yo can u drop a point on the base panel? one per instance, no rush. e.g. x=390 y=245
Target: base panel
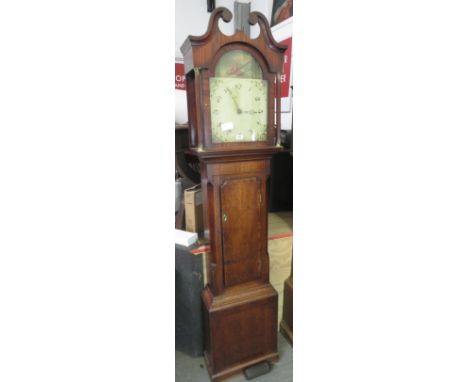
x=240 y=329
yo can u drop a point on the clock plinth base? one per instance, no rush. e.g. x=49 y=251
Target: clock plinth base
x=240 y=328
x=221 y=376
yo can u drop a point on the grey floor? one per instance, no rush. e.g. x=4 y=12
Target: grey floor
x=192 y=369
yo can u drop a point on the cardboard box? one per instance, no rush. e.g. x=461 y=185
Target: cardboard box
x=194 y=210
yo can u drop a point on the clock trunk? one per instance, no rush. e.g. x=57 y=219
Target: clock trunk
x=239 y=303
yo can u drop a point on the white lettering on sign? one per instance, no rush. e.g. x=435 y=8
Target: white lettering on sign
x=179 y=76
x=283 y=77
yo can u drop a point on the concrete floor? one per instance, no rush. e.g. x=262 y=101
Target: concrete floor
x=192 y=369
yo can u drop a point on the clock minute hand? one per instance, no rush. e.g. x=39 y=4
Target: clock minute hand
x=239 y=111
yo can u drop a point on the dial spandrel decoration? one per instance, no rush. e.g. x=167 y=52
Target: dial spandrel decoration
x=239 y=64
x=238 y=97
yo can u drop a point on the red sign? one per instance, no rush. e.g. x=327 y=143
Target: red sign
x=179 y=76
x=286 y=76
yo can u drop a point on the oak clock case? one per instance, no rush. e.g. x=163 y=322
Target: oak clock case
x=234 y=123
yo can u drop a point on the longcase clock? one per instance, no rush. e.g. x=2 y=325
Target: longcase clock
x=233 y=95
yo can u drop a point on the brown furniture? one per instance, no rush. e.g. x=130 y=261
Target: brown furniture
x=286 y=325
x=187 y=166
x=231 y=86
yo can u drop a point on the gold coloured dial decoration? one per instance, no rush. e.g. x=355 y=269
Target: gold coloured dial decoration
x=238 y=97
x=238 y=64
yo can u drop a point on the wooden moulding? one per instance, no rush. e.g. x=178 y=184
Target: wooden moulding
x=198 y=50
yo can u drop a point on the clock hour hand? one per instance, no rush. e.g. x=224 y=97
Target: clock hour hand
x=239 y=111
x=252 y=112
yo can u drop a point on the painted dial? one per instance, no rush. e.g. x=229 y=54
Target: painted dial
x=238 y=99
x=239 y=64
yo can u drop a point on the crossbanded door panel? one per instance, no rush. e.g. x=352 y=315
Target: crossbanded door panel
x=243 y=222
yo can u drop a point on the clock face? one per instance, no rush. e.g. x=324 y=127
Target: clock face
x=238 y=109
x=238 y=98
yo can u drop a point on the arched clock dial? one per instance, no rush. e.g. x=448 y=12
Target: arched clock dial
x=238 y=99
